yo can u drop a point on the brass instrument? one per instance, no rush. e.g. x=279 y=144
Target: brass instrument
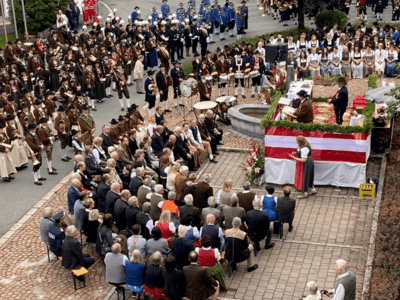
x=62 y=127
x=7 y=146
x=31 y=153
x=153 y=88
x=119 y=76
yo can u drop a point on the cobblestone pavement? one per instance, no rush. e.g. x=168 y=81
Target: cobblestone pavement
x=330 y=225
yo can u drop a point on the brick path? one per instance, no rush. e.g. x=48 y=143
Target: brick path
x=331 y=225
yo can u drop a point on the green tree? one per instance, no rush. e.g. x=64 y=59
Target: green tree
x=40 y=14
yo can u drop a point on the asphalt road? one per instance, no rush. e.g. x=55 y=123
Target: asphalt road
x=17 y=197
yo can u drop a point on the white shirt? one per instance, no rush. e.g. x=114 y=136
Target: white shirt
x=304 y=152
x=340 y=292
x=216 y=252
x=171 y=225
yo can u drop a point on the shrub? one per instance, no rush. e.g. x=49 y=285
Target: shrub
x=372 y=81
x=331 y=18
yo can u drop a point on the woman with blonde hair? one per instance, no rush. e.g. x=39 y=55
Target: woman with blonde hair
x=304 y=174
x=134 y=273
x=167 y=227
x=224 y=194
x=98 y=152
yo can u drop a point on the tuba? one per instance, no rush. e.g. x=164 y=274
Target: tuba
x=31 y=153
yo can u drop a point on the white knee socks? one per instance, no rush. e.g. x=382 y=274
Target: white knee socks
x=128 y=102
x=121 y=101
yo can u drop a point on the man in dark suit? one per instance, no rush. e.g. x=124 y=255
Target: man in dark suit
x=204 y=88
x=137 y=181
x=102 y=191
x=92 y=166
x=285 y=207
x=213 y=210
x=212 y=127
x=191 y=210
x=73 y=257
x=73 y=194
x=106 y=138
x=199 y=284
x=258 y=227
x=181 y=247
x=182 y=149
x=162 y=85
x=112 y=197
x=143 y=218
x=340 y=102
x=133 y=146
x=157 y=143
x=304 y=113
x=246 y=197
x=178 y=76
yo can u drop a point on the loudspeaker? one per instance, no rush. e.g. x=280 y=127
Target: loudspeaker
x=276 y=53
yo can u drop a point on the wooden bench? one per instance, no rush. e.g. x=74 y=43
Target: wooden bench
x=79 y=273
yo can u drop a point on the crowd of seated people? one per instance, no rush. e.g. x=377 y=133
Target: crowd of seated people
x=151 y=246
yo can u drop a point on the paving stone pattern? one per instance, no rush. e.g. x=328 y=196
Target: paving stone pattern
x=330 y=225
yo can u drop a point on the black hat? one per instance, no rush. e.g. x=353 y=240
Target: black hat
x=208 y=52
x=196 y=54
x=74 y=132
x=43 y=120
x=120 y=118
x=31 y=126
x=133 y=106
x=177 y=62
x=24 y=105
x=41 y=77
x=37 y=102
x=218 y=49
x=150 y=72
x=1 y=105
x=49 y=92
x=256 y=52
x=162 y=66
x=25 y=91
x=71 y=106
x=302 y=93
x=79 y=93
x=113 y=122
x=84 y=107
x=61 y=108
x=10 y=98
x=341 y=80
x=128 y=115
x=9 y=118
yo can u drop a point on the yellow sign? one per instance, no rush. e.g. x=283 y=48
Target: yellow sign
x=367 y=190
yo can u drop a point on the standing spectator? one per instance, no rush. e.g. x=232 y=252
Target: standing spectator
x=138 y=73
x=101 y=192
x=130 y=214
x=286 y=207
x=134 y=272
x=136 y=241
x=45 y=223
x=115 y=266
x=246 y=197
x=143 y=219
x=174 y=280
x=157 y=243
x=73 y=257
x=120 y=209
x=112 y=197
x=105 y=236
x=91 y=227
x=199 y=284
x=346 y=283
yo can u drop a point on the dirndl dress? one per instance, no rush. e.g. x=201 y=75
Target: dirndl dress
x=325 y=67
x=357 y=70
x=379 y=61
x=304 y=173
x=152 y=60
x=390 y=70
x=335 y=71
x=369 y=63
x=346 y=69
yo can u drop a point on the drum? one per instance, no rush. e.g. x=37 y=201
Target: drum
x=209 y=78
x=239 y=75
x=215 y=73
x=188 y=87
x=223 y=78
x=203 y=106
x=247 y=70
x=224 y=103
x=253 y=74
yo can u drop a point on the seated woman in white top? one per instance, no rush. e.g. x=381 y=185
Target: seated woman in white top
x=335 y=59
x=314 y=61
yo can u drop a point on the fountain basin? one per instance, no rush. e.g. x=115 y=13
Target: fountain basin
x=246 y=119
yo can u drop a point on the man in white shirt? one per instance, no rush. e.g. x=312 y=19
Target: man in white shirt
x=346 y=283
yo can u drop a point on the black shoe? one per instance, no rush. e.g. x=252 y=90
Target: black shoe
x=53 y=173
x=100 y=101
x=94 y=109
x=168 y=110
x=42 y=179
x=269 y=246
x=235 y=96
x=252 y=95
x=140 y=93
x=54 y=169
x=231 y=35
x=233 y=266
x=251 y=269
x=6 y=179
x=182 y=105
x=244 y=96
x=213 y=160
x=65 y=159
x=195 y=169
x=37 y=183
x=290 y=227
x=285 y=24
x=122 y=109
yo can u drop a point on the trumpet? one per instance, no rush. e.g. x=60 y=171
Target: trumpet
x=28 y=149
x=62 y=127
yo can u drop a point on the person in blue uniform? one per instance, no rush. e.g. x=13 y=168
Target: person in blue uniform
x=244 y=10
x=178 y=76
x=165 y=10
x=154 y=14
x=231 y=18
x=340 y=102
x=223 y=22
x=134 y=14
x=215 y=16
x=57 y=234
x=239 y=21
x=150 y=98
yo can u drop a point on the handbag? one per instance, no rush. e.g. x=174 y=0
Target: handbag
x=104 y=248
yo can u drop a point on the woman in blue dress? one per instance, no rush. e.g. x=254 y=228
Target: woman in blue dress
x=269 y=203
x=325 y=65
x=152 y=53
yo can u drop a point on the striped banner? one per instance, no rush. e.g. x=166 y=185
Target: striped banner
x=329 y=147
